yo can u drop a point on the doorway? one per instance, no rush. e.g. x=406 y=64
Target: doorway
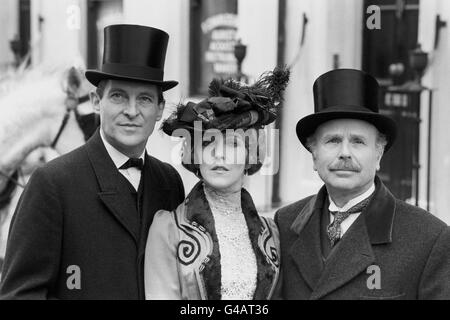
x=386 y=56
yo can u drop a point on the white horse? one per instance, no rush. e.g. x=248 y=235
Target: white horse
x=32 y=108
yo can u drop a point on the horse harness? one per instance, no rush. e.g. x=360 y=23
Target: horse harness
x=88 y=123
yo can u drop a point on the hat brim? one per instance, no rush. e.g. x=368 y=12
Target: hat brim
x=94 y=77
x=308 y=125
x=177 y=130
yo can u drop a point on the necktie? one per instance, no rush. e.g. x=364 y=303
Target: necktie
x=334 y=230
x=133 y=163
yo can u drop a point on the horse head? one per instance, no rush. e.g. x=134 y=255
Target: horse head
x=34 y=108
x=35 y=103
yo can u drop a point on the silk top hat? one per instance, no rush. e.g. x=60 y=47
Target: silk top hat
x=346 y=94
x=135 y=53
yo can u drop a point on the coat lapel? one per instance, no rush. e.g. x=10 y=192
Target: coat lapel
x=305 y=251
x=354 y=252
x=108 y=179
x=352 y=256
x=155 y=197
x=199 y=211
x=379 y=215
x=265 y=271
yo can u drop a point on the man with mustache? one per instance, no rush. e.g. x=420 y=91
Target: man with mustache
x=80 y=228
x=354 y=239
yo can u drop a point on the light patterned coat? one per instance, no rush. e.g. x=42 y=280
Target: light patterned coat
x=182 y=259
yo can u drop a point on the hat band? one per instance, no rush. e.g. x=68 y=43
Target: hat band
x=133 y=71
x=346 y=108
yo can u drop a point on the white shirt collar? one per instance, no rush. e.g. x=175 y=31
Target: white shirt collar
x=333 y=207
x=117 y=157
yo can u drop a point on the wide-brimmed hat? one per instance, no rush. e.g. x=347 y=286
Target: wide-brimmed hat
x=346 y=94
x=133 y=52
x=232 y=105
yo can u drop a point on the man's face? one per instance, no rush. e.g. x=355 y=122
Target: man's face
x=346 y=155
x=128 y=113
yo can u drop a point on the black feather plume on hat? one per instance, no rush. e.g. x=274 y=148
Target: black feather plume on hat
x=275 y=83
x=233 y=105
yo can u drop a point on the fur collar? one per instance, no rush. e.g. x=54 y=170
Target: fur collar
x=198 y=210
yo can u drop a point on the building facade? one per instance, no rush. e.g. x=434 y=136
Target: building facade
x=311 y=36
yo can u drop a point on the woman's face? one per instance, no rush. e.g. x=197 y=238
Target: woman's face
x=222 y=161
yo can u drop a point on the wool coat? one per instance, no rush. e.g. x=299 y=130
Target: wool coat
x=79 y=232
x=392 y=251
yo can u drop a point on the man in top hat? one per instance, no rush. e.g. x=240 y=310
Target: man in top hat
x=354 y=239
x=80 y=228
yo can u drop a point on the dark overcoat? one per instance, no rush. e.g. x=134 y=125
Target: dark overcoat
x=74 y=235
x=392 y=251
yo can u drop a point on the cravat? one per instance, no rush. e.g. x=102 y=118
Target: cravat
x=334 y=229
x=133 y=163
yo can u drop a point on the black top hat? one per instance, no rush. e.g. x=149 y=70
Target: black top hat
x=346 y=94
x=133 y=52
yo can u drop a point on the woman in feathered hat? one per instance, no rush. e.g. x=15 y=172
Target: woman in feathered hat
x=215 y=245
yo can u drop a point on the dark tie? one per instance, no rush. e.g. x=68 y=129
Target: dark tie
x=133 y=163
x=334 y=230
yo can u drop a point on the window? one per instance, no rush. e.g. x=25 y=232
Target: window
x=213 y=36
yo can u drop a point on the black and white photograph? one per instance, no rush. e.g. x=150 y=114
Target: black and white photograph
x=233 y=150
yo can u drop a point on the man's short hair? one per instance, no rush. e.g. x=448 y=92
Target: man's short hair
x=102 y=85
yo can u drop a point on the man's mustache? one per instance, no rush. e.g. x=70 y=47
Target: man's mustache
x=345 y=165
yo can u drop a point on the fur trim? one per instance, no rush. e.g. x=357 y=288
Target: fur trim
x=198 y=210
x=265 y=273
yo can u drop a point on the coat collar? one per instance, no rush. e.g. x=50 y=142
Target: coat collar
x=108 y=177
x=379 y=213
x=156 y=189
x=353 y=253
x=116 y=156
x=351 y=256
x=198 y=210
x=306 y=250
x=104 y=167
